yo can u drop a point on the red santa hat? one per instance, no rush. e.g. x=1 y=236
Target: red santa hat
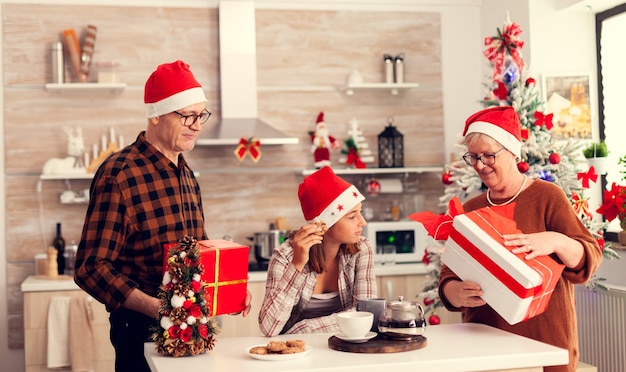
x=326 y=197
x=171 y=87
x=500 y=123
x=320 y=118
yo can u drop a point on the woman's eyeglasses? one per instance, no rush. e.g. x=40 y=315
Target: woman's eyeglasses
x=487 y=159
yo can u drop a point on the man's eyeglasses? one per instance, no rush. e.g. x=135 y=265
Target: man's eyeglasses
x=189 y=120
x=487 y=159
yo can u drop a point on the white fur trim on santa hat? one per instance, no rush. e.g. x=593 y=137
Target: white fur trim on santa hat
x=504 y=137
x=347 y=200
x=175 y=102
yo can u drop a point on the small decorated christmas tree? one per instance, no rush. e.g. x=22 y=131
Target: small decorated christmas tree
x=185 y=327
x=542 y=157
x=356 y=152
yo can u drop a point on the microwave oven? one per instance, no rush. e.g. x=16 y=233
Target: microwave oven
x=408 y=237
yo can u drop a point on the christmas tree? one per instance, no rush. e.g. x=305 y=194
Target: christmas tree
x=356 y=151
x=542 y=157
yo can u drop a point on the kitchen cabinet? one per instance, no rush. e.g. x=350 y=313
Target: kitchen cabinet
x=37 y=294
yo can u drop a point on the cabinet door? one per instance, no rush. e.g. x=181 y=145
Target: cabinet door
x=238 y=326
x=409 y=286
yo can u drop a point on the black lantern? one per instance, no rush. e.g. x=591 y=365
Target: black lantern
x=390 y=147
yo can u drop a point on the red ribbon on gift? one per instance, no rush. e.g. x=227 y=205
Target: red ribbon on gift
x=541 y=119
x=439 y=226
x=589 y=176
x=250 y=146
x=506 y=42
x=216 y=283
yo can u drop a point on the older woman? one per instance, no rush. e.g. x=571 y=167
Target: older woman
x=549 y=225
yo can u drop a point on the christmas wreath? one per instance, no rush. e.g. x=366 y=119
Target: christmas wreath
x=185 y=327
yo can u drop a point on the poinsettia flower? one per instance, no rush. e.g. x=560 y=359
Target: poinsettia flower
x=167 y=278
x=174 y=331
x=191 y=320
x=185 y=334
x=166 y=322
x=195 y=311
x=203 y=330
x=177 y=301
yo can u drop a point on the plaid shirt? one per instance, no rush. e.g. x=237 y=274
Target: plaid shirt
x=139 y=201
x=288 y=291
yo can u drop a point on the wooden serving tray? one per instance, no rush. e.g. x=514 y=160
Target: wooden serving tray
x=380 y=344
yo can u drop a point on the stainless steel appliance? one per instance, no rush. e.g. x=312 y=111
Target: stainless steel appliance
x=264 y=244
x=408 y=238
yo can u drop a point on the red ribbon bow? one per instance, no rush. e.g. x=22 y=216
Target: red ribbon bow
x=506 y=42
x=581 y=206
x=439 y=226
x=250 y=146
x=541 y=119
x=585 y=177
x=354 y=158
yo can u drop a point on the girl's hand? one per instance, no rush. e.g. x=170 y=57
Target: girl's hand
x=306 y=237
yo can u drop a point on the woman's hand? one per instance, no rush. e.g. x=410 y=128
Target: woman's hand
x=463 y=294
x=306 y=237
x=568 y=250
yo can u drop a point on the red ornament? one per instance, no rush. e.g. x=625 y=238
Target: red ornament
x=373 y=187
x=530 y=81
x=446 y=178
x=554 y=158
x=523 y=166
x=428 y=301
x=434 y=319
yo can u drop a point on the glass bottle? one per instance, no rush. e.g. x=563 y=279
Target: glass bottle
x=59 y=244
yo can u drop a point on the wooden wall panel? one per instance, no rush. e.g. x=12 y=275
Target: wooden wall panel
x=303 y=60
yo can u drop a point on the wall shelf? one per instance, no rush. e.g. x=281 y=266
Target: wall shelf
x=365 y=171
x=81 y=87
x=393 y=88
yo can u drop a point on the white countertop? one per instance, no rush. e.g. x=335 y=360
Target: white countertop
x=453 y=347
x=66 y=283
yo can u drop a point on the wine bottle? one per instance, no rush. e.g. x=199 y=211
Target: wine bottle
x=59 y=244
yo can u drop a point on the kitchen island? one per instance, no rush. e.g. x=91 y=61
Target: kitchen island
x=452 y=347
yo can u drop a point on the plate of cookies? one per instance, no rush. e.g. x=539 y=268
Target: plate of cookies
x=280 y=350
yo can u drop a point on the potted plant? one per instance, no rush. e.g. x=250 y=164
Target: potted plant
x=596 y=154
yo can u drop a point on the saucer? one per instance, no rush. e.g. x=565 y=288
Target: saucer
x=356 y=340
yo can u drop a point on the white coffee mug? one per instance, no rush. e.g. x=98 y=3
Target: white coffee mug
x=355 y=324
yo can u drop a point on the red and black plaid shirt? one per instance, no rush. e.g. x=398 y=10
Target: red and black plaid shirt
x=139 y=201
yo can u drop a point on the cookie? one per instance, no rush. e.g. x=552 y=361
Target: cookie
x=261 y=350
x=323 y=227
x=296 y=343
x=276 y=346
x=292 y=350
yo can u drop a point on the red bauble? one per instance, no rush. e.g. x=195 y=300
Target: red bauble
x=373 y=187
x=434 y=319
x=530 y=81
x=428 y=301
x=554 y=158
x=446 y=178
x=523 y=166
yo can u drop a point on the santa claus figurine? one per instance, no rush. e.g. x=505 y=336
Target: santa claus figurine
x=322 y=143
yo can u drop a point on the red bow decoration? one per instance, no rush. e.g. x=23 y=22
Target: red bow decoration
x=250 y=146
x=506 y=42
x=541 y=119
x=439 y=226
x=501 y=91
x=581 y=206
x=354 y=158
x=585 y=177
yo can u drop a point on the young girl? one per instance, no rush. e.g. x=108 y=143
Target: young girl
x=325 y=266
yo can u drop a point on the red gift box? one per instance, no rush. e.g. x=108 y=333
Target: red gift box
x=516 y=288
x=225 y=274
